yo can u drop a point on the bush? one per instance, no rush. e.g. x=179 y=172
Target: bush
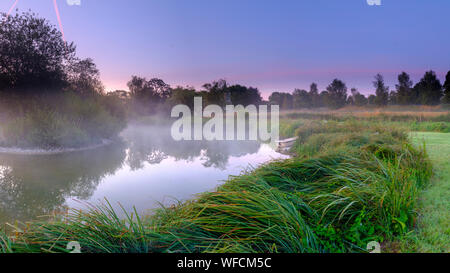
x=66 y=120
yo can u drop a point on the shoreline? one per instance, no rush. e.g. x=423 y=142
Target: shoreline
x=22 y=151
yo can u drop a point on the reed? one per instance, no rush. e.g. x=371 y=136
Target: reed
x=352 y=187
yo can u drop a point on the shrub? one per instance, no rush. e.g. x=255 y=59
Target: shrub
x=64 y=120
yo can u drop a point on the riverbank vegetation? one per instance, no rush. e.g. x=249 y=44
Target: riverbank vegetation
x=354 y=176
x=49 y=98
x=347 y=185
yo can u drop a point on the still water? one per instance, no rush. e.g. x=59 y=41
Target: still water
x=145 y=168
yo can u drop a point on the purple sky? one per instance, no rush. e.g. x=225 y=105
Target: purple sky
x=269 y=44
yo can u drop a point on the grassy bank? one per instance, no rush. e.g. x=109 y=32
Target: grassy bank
x=433 y=229
x=348 y=184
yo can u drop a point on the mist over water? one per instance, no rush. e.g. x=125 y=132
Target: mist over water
x=145 y=168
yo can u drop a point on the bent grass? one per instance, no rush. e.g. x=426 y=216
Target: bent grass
x=352 y=189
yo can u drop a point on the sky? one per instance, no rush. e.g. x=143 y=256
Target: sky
x=275 y=45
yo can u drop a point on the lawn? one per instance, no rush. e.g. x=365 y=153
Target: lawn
x=433 y=228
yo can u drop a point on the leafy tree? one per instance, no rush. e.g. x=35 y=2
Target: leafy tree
x=323 y=97
x=244 y=95
x=404 y=89
x=284 y=100
x=215 y=92
x=337 y=94
x=148 y=95
x=371 y=99
x=381 y=92
x=393 y=98
x=446 y=98
x=33 y=55
x=84 y=77
x=301 y=99
x=358 y=99
x=314 y=95
x=429 y=89
x=181 y=95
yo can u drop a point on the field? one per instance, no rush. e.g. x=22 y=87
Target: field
x=352 y=179
x=433 y=229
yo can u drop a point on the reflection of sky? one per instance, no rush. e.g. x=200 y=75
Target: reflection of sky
x=273 y=45
x=169 y=179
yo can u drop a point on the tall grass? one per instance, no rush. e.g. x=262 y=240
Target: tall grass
x=349 y=189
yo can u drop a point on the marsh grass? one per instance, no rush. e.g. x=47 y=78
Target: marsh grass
x=349 y=184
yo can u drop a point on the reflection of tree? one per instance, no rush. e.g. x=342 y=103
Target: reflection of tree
x=153 y=144
x=38 y=185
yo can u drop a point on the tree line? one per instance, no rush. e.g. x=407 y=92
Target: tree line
x=35 y=61
x=148 y=96
x=428 y=91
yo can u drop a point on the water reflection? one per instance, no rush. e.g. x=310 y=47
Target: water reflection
x=147 y=166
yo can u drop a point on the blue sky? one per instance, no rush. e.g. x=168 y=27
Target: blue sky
x=273 y=45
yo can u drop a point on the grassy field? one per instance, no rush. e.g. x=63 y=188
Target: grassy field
x=350 y=181
x=433 y=229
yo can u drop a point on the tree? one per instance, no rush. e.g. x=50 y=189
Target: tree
x=323 y=98
x=358 y=99
x=404 y=89
x=314 y=95
x=215 y=92
x=244 y=95
x=337 y=94
x=393 y=98
x=381 y=92
x=301 y=99
x=84 y=77
x=33 y=55
x=429 y=89
x=284 y=100
x=148 y=95
x=371 y=99
x=181 y=95
x=446 y=98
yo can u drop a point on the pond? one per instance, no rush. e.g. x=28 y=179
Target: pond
x=143 y=170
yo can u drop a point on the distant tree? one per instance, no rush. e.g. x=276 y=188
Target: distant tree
x=33 y=55
x=314 y=95
x=337 y=94
x=84 y=77
x=287 y=103
x=357 y=98
x=120 y=94
x=301 y=99
x=371 y=99
x=323 y=98
x=215 y=92
x=183 y=95
x=446 y=98
x=350 y=101
x=404 y=89
x=360 y=100
x=381 y=92
x=393 y=98
x=244 y=95
x=429 y=89
x=148 y=95
x=284 y=100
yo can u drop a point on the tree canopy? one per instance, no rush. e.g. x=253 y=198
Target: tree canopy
x=429 y=89
x=35 y=59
